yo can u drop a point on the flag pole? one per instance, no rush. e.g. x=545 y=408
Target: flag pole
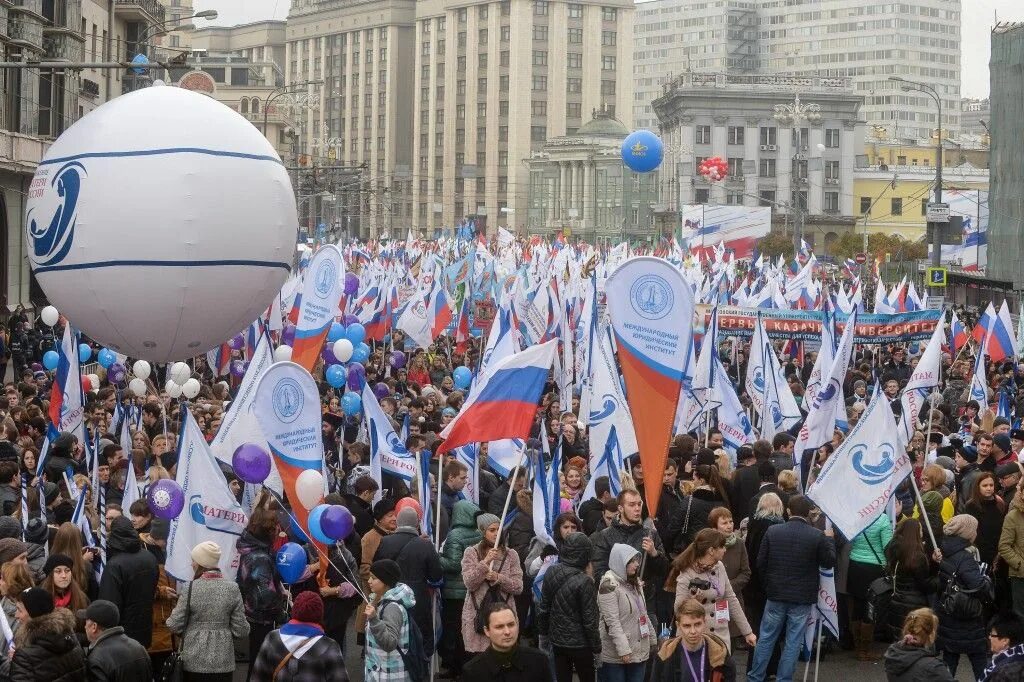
x=817 y=652
x=923 y=515
x=807 y=668
x=508 y=498
x=437 y=512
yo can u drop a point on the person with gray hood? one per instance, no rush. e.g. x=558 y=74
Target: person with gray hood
x=568 y=614
x=626 y=631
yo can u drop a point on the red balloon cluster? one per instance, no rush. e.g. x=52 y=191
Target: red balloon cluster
x=714 y=169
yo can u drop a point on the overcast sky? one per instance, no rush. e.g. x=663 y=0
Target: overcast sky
x=978 y=16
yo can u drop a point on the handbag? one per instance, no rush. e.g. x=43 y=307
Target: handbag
x=174 y=667
x=961 y=603
x=491 y=596
x=880 y=592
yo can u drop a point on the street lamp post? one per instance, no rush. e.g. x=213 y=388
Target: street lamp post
x=160 y=28
x=906 y=85
x=280 y=92
x=792 y=114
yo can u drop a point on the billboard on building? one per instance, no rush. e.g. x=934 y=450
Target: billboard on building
x=737 y=227
x=972 y=206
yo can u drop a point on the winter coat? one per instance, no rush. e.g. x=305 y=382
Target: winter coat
x=910 y=663
x=361 y=512
x=526 y=664
x=568 y=614
x=911 y=587
x=46 y=650
x=655 y=567
x=386 y=633
x=262 y=592
x=957 y=635
x=788 y=561
x=315 y=657
x=868 y=546
x=130 y=579
x=1011 y=542
x=721 y=588
x=745 y=484
x=621 y=604
x=163 y=605
x=591 y=513
x=990 y=526
x=421 y=568
x=737 y=566
x=691 y=516
x=1006 y=666
x=718 y=665
x=116 y=657
x=474 y=570
x=463 y=533
x=757 y=526
x=218 y=616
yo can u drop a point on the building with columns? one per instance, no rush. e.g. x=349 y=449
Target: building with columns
x=804 y=171
x=578 y=185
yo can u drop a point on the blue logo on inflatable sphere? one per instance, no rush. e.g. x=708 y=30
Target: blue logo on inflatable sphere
x=642 y=151
x=873 y=474
x=287 y=397
x=651 y=297
x=326 y=278
x=52 y=237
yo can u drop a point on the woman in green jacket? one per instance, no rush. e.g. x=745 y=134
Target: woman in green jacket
x=1011 y=549
x=462 y=534
x=867 y=562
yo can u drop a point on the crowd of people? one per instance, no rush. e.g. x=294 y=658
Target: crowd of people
x=726 y=572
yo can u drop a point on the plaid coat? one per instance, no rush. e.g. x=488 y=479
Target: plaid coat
x=386 y=633
x=315 y=657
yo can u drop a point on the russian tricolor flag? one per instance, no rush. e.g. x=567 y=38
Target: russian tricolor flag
x=67 y=405
x=503 y=401
x=439 y=310
x=957 y=335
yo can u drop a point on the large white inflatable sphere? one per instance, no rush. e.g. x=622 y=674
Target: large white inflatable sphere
x=161 y=223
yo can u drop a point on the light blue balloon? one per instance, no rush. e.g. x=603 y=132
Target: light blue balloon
x=106 y=357
x=361 y=354
x=50 y=360
x=642 y=151
x=336 y=376
x=335 y=332
x=356 y=333
x=315 y=531
x=351 y=404
x=463 y=377
x=84 y=352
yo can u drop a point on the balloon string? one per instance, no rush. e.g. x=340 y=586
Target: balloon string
x=312 y=542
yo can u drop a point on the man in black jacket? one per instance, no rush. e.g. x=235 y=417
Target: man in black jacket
x=746 y=481
x=568 y=615
x=788 y=562
x=506 y=660
x=591 y=512
x=129 y=580
x=359 y=502
x=112 y=655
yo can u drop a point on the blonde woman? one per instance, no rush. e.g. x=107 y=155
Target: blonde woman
x=913 y=657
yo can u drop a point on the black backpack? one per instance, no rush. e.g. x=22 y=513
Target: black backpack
x=415 y=658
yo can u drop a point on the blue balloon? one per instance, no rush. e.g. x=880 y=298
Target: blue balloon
x=463 y=377
x=355 y=333
x=315 y=531
x=84 y=352
x=642 y=151
x=106 y=357
x=335 y=332
x=360 y=354
x=50 y=360
x=351 y=404
x=336 y=376
x=291 y=562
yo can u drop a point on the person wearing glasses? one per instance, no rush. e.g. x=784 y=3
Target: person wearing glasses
x=1006 y=642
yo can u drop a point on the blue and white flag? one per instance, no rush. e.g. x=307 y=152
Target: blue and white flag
x=388 y=453
x=546 y=495
x=469 y=456
x=924 y=378
x=979 y=382
x=612 y=438
x=826 y=610
x=733 y=421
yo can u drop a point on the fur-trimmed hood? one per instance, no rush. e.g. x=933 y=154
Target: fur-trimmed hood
x=717 y=651
x=54 y=626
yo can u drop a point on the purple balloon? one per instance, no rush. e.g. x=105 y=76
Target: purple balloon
x=251 y=463
x=350 y=319
x=166 y=499
x=288 y=335
x=337 y=522
x=351 y=283
x=356 y=376
x=237 y=368
x=397 y=359
x=328 y=355
x=381 y=390
x=117 y=373
x=237 y=342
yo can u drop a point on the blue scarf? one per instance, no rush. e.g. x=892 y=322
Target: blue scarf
x=297 y=627
x=1015 y=653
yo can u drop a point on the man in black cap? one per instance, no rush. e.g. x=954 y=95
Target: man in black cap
x=966 y=471
x=112 y=655
x=1002 y=450
x=1008 y=475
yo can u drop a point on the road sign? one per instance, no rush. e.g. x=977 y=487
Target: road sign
x=934 y=302
x=936 y=277
x=861 y=258
x=937 y=213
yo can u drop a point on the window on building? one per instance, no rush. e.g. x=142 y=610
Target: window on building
x=506 y=33
x=608 y=38
x=506 y=8
x=575 y=10
x=440 y=47
x=539 y=108
x=832 y=138
x=734 y=198
x=460 y=63
x=538 y=133
x=574 y=85
x=575 y=60
x=540 y=57
x=897 y=206
x=460 y=136
x=502 y=159
x=482 y=11
x=735 y=134
x=540 y=8
x=832 y=170
x=575 y=36
x=460 y=112
x=766 y=168
x=607 y=63
x=540 y=84
x=481 y=159
x=481 y=134
x=697 y=162
x=503 y=107
x=702 y=134
x=700 y=196
x=460 y=87
x=481 y=60
x=573 y=110
x=609 y=14
x=769 y=135
x=832 y=202
x=735 y=167
x=503 y=83
x=460 y=39
x=865 y=205
x=482 y=36
x=901 y=161
x=767 y=198
x=481 y=109
x=540 y=32
x=924 y=206
x=481 y=86
x=461 y=14
x=607 y=87
x=503 y=58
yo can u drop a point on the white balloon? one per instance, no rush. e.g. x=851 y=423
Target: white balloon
x=94 y=381
x=343 y=350
x=190 y=389
x=309 y=487
x=173 y=389
x=141 y=369
x=49 y=315
x=282 y=353
x=224 y=252
x=137 y=386
x=179 y=373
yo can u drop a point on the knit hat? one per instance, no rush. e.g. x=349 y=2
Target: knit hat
x=206 y=554
x=37 y=531
x=159 y=529
x=962 y=526
x=408 y=518
x=1008 y=469
x=37 y=601
x=932 y=501
x=102 y=612
x=11 y=548
x=970 y=453
x=386 y=571
x=946 y=461
x=1002 y=441
x=484 y=520
x=10 y=527
x=309 y=608
x=56 y=560
x=383 y=508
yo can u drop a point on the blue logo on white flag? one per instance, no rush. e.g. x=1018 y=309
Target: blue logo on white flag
x=51 y=241
x=873 y=474
x=288 y=400
x=651 y=297
x=326 y=278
